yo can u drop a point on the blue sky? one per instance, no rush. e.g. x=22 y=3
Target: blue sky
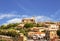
x=15 y=10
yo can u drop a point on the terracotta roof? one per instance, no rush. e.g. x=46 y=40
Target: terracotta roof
x=39 y=33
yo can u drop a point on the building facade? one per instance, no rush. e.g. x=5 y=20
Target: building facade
x=28 y=20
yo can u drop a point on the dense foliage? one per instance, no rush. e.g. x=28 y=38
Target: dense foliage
x=58 y=33
x=28 y=25
x=10 y=29
x=10 y=32
x=9 y=26
x=2 y=40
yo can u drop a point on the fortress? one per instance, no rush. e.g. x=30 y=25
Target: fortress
x=28 y=20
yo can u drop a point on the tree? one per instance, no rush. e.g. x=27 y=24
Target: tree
x=12 y=25
x=38 y=25
x=2 y=40
x=27 y=25
x=22 y=31
x=10 y=32
x=58 y=33
x=3 y=27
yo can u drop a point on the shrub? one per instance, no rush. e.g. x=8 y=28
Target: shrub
x=12 y=32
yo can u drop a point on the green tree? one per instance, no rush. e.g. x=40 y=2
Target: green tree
x=10 y=32
x=28 y=25
x=38 y=25
x=2 y=40
x=58 y=33
x=12 y=25
x=41 y=25
x=3 y=27
x=22 y=31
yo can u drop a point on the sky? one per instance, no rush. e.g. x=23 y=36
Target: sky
x=12 y=11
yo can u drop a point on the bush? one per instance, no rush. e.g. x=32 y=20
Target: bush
x=12 y=32
x=28 y=25
x=2 y=40
x=58 y=33
x=9 y=26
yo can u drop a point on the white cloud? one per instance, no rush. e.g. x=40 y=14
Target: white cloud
x=56 y=14
x=15 y=20
x=25 y=16
x=2 y=16
x=43 y=18
x=37 y=18
x=18 y=20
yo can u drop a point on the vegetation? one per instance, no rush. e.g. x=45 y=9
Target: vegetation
x=22 y=31
x=10 y=29
x=9 y=26
x=11 y=32
x=2 y=40
x=39 y=25
x=3 y=27
x=58 y=33
x=29 y=25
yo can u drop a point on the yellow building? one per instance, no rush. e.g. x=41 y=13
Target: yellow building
x=53 y=28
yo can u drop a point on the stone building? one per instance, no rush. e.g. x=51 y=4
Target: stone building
x=28 y=20
x=53 y=28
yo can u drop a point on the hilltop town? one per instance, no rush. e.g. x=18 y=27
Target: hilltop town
x=29 y=30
